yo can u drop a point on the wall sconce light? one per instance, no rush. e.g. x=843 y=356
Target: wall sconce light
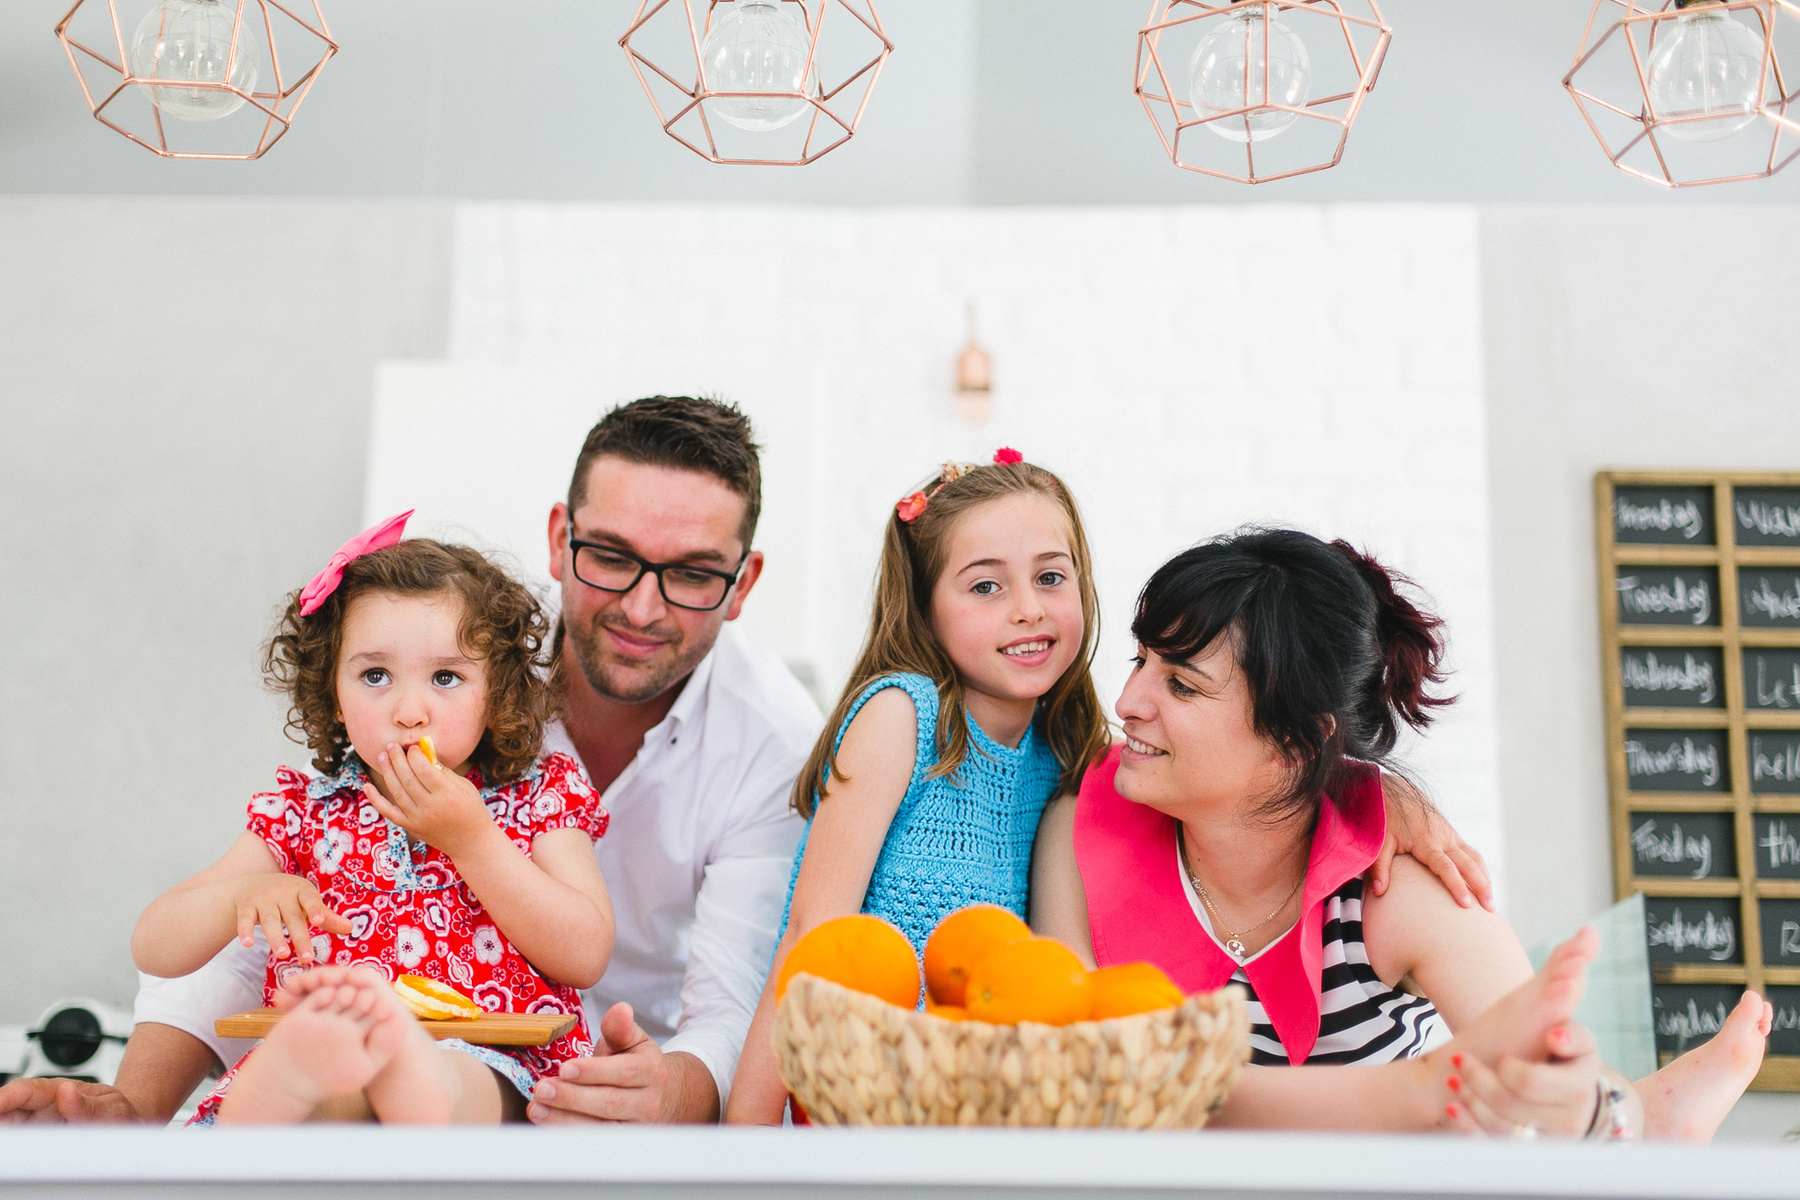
x=1685 y=93
x=190 y=64
x=974 y=380
x=1250 y=72
x=753 y=81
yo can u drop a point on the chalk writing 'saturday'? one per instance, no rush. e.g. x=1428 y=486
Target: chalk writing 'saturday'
x=1650 y=845
x=1713 y=935
x=1679 y=758
x=1663 y=516
x=1673 y=597
x=1770 y=520
x=1649 y=673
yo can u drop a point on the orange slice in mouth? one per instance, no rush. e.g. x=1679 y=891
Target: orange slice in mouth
x=428 y=750
x=430 y=1000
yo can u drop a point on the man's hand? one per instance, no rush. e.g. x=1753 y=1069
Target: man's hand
x=60 y=1101
x=1416 y=827
x=628 y=1079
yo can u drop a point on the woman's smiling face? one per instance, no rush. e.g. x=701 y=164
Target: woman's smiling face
x=1191 y=747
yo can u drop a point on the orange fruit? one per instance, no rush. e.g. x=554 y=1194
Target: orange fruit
x=950 y=1012
x=430 y=1000
x=960 y=941
x=1131 y=988
x=863 y=953
x=1037 y=979
x=428 y=750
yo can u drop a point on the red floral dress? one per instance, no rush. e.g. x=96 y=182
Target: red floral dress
x=410 y=912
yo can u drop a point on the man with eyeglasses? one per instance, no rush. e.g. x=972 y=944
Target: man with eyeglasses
x=694 y=734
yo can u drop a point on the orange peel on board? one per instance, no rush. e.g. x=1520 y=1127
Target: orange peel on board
x=430 y=1000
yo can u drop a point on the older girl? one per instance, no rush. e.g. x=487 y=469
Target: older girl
x=473 y=867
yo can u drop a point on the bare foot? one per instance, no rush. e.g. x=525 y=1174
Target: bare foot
x=419 y=1085
x=1686 y=1100
x=1521 y=1022
x=324 y=1047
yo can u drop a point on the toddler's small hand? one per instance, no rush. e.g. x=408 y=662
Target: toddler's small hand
x=428 y=801
x=286 y=906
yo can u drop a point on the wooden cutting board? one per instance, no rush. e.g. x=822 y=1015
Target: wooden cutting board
x=497 y=1029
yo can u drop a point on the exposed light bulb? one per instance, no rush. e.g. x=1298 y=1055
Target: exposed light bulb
x=1226 y=74
x=758 y=47
x=1707 y=65
x=189 y=42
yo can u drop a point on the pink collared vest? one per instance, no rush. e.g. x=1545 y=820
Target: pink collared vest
x=1139 y=911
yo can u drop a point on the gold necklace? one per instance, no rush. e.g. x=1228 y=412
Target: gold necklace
x=1234 y=942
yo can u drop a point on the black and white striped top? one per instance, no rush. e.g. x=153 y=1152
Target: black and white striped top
x=1361 y=1019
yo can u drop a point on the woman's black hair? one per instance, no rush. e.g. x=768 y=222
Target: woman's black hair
x=1335 y=657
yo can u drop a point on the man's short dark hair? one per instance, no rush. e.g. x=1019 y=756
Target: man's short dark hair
x=686 y=433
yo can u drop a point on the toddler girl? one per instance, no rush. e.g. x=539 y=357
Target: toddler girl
x=970 y=705
x=472 y=865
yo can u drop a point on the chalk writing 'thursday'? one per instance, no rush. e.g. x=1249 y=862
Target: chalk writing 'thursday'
x=1713 y=935
x=1673 y=597
x=1783 y=847
x=1651 y=845
x=1681 y=758
x=1770 y=520
x=1777 y=606
x=1662 y=516
x=1652 y=674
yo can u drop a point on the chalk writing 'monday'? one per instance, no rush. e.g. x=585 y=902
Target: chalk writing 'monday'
x=1652 y=845
x=1776 y=605
x=1649 y=673
x=1663 y=515
x=1679 y=758
x=1770 y=520
x=1678 y=597
x=1712 y=935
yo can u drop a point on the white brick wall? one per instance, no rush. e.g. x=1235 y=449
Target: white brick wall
x=1185 y=370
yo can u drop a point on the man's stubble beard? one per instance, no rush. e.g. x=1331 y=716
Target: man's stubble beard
x=626 y=685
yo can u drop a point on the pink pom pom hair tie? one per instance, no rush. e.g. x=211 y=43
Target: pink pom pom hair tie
x=376 y=537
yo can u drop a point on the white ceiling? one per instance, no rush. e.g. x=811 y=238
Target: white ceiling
x=983 y=102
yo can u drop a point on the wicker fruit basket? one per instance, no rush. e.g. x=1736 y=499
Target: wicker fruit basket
x=851 y=1059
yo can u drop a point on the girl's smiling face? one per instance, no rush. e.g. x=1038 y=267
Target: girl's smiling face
x=1007 y=607
x=402 y=674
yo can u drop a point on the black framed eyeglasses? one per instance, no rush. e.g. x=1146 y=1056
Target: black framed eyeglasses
x=684 y=585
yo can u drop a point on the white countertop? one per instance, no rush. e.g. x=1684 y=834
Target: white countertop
x=620 y=1160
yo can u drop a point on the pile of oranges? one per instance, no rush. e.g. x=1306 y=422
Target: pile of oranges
x=981 y=964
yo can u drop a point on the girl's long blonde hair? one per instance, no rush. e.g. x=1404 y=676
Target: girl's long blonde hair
x=900 y=637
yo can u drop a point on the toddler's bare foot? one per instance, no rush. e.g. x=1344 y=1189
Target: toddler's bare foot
x=1686 y=1100
x=1520 y=1023
x=322 y=1048
x=418 y=1085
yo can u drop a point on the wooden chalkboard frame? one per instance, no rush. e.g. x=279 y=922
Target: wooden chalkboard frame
x=1778 y=1073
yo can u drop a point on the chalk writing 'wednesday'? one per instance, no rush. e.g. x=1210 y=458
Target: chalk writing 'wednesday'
x=1652 y=674
x=1673 y=597
x=1672 y=847
x=1680 y=758
x=1662 y=516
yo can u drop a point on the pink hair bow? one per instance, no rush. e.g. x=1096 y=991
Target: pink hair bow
x=377 y=537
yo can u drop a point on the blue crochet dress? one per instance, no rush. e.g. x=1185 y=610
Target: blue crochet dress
x=959 y=839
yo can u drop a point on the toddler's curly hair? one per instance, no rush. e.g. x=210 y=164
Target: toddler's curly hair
x=502 y=624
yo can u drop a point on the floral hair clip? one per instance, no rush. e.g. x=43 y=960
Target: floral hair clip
x=914 y=503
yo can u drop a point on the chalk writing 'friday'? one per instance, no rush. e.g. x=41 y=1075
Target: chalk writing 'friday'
x=1673 y=597
x=1779 y=606
x=1652 y=674
x=1662 y=516
x=1672 y=847
x=1714 y=935
x=1680 y=758
x=1691 y=1022
x=1770 y=520
x=1783 y=847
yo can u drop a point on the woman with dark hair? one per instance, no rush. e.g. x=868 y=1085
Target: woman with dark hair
x=1227 y=840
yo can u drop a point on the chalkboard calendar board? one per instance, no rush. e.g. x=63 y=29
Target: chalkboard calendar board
x=1700 y=625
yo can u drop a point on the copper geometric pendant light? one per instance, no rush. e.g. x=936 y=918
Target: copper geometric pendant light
x=761 y=82
x=1685 y=93
x=215 y=79
x=1258 y=90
